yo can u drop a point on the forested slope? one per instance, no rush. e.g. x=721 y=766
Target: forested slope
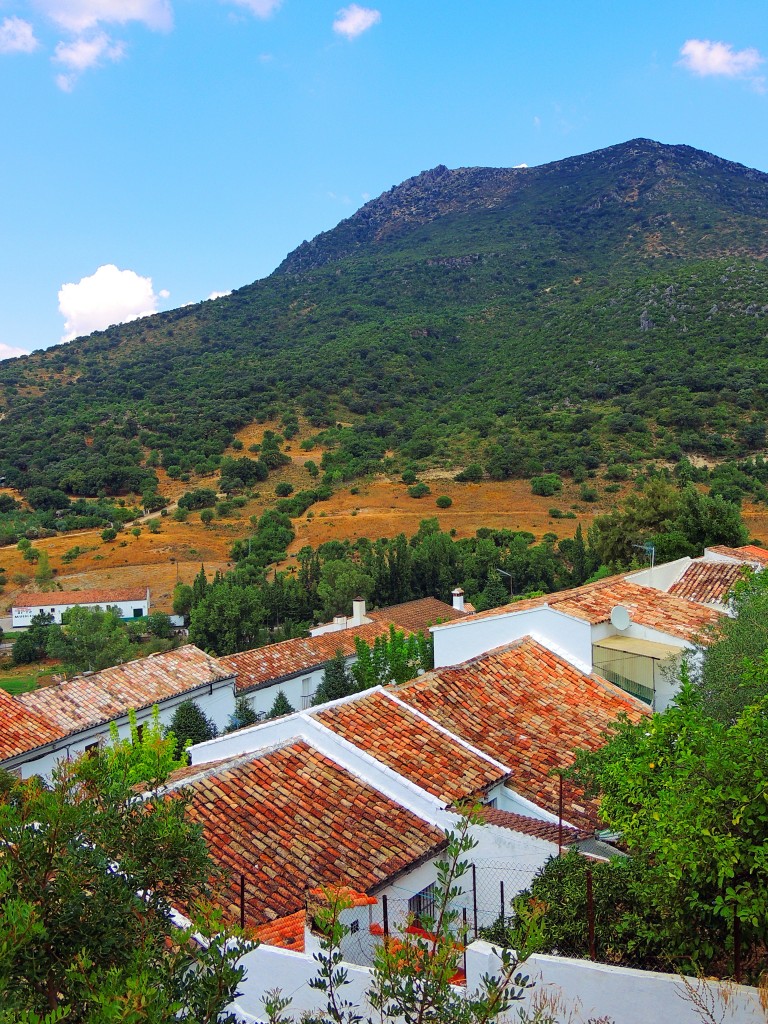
x=607 y=307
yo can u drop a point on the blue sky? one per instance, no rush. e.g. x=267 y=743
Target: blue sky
x=155 y=152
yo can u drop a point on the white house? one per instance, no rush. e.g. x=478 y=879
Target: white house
x=629 y=632
x=40 y=728
x=130 y=602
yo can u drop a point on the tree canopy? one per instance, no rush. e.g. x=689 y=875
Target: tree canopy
x=88 y=879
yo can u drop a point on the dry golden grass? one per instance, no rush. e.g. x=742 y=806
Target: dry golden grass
x=381 y=508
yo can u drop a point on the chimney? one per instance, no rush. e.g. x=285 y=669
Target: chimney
x=358 y=611
x=458 y=599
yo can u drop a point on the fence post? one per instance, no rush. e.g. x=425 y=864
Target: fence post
x=466 y=939
x=474 y=897
x=736 y=946
x=591 y=916
x=501 y=892
x=560 y=818
x=242 y=901
x=385 y=910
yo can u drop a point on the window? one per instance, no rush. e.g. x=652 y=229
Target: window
x=423 y=905
x=491 y=803
x=307 y=693
x=138 y=613
x=354 y=927
x=91 y=748
x=140 y=732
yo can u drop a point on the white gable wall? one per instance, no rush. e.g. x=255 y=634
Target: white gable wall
x=562 y=634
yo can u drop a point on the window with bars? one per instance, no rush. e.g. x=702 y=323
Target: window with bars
x=422 y=905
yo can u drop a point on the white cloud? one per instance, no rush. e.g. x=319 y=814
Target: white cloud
x=261 y=8
x=17 y=36
x=83 y=15
x=83 y=53
x=11 y=351
x=537 y=121
x=352 y=21
x=704 y=57
x=517 y=167
x=110 y=296
x=219 y=295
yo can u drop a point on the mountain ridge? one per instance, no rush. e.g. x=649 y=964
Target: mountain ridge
x=609 y=307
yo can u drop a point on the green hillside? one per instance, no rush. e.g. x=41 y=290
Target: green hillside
x=606 y=308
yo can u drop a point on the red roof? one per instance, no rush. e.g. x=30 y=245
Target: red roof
x=707 y=582
x=57 y=598
x=291 y=819
x=266 y=665
x=286 y=932
x=746 y=553
x=417 y=616
x=648 y=607
x=23 y=729
x=400 y=739
x=91 y=700
x=548 y=830
x=530 y=710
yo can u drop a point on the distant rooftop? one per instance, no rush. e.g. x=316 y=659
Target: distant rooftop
x=56 y=598
x=750 y=553
x=707 y=582
x=417 y=616
x=266 y=665
x=23 y=729
x=594 y=602
x=93 y=699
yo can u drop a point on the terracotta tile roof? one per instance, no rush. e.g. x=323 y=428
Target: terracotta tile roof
x=266 y=665
x=648 y=607
x=90 y=700
x=746 y=553
x=531 y=826
x=418 y=616
x=22 y=729
x=707 y=582
x=286 y=932
x=530 y=710
x=415 y=749
x=290 y=819
x=54 y=598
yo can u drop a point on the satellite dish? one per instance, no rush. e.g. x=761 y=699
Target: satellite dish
x=620 y=617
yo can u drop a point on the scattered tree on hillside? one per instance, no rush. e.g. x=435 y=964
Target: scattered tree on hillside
x=676 y=522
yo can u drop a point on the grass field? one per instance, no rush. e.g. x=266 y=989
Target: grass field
x=23 y=678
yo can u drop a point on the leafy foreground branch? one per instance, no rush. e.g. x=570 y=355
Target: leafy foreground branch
x=88 y=879
x=413 y=975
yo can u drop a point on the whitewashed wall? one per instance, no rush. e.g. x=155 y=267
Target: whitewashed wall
x=21 y=617
x=467 y=638
x=217 y=701
x=583 y=990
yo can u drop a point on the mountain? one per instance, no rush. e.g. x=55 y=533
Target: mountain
x=606 y=307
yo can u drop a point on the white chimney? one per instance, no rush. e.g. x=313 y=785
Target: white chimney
x=358 y=611
x=458 y=599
